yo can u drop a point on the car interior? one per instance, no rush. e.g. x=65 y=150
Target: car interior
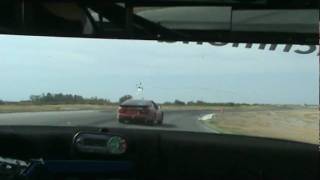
x=48 y=152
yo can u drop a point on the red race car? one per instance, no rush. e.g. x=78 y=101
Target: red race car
x=140 y=111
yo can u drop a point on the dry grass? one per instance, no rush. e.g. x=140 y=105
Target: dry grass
x=75 y=107
x=215 y=108
x=44 y=108
x=292 y=124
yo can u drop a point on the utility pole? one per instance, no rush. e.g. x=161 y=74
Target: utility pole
x=139 y=91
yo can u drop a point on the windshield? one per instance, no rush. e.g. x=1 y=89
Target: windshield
x=228 y=88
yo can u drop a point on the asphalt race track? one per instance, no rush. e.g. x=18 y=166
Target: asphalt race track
x=173 y=120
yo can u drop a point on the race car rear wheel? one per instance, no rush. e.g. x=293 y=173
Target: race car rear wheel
x=153 y=121
x=161 y=119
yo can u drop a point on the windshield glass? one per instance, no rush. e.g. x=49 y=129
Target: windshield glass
x=242 y=89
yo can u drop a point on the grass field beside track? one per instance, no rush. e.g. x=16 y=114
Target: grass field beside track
x=298 y=124
x=47 y=108
x=13 y=108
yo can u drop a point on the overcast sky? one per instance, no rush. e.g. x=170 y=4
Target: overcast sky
x=168 y=71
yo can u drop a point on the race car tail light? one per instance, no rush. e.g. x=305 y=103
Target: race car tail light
x=134 y=110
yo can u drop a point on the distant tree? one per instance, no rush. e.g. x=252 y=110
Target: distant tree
x=167 y=103
x=34 y=98
x=78 y=99
x=60 y=98
x=199 y=102
x=230 y=104
x=190 y=103
x=2 y=102
x=124 y=98
x=178 y=102
x=49 y=97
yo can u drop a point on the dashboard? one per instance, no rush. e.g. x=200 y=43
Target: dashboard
x=34 y=152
